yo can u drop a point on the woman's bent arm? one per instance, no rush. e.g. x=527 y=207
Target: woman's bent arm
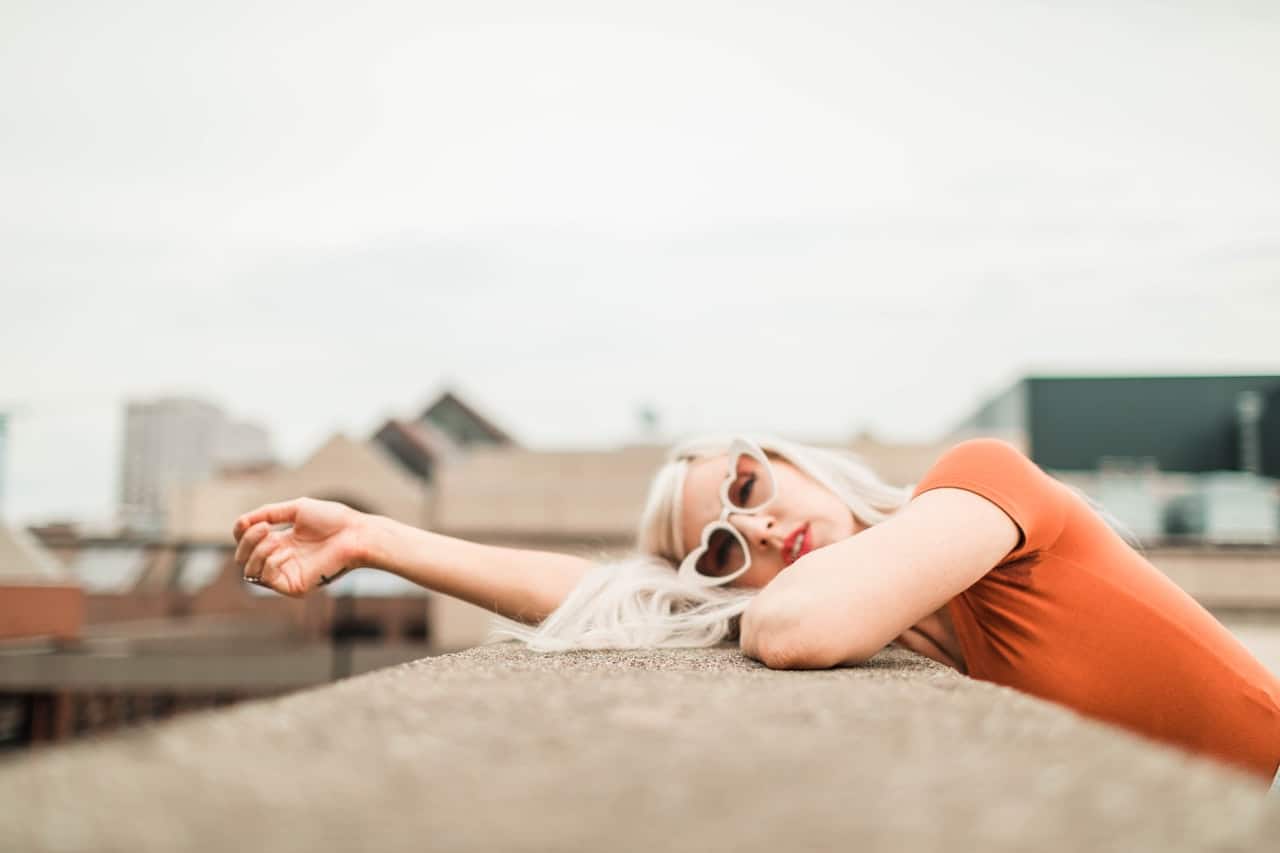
x=313 y=542
x=845 y=602
x=522 y=585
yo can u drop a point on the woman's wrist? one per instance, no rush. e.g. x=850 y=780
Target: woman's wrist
x=370 y=541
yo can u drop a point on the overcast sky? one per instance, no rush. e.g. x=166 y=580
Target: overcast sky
x=814 y=218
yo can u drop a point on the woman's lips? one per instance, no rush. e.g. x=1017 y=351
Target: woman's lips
x=802 y=534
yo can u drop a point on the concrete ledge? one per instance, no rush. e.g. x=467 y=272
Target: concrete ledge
x=498 y=748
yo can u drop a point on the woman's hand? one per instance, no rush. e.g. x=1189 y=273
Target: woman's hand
x=323 y=542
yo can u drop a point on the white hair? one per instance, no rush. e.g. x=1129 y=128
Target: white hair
x=639 y=602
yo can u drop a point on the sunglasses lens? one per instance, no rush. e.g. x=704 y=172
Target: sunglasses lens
x=724 y=555
x=752 y=484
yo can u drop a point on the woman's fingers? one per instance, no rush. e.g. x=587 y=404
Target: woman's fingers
x=273 y=570
x=250 y=540
x=264 y=549
x=279 y=513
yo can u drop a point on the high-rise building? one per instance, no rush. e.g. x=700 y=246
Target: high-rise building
x=174 y=441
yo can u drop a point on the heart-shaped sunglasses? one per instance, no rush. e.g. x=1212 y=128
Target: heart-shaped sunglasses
x=723 y=553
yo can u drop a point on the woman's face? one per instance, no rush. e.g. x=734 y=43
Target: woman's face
x=802 y=511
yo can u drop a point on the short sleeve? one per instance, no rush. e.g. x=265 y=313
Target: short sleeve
x=999 y=472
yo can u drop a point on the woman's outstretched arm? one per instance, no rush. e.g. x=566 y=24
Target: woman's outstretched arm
x=516 y=583
x=325 y=539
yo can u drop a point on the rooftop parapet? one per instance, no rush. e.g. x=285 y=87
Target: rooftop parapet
x=499 y=748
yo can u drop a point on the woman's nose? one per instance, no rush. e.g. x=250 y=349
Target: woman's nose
x=759 y=529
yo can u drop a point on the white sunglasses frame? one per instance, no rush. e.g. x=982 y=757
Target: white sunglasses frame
x=688 y=572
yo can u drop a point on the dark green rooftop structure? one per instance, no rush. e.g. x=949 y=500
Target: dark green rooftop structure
x=1188 y=424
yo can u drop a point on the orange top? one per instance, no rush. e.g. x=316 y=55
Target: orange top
x=1074 y=615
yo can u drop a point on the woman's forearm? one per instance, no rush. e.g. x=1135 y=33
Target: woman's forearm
x=519 y=584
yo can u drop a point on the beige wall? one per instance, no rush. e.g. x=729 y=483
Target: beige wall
x=519 y=492
x=1223 y=577
x=456 y=624
x=898 y=464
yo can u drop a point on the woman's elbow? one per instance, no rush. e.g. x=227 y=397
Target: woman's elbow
x=789 y=641
x=779 y=642
x=786 y=655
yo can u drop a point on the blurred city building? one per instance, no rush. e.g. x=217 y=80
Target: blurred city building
x=39 y=597
x=154 y=622
x=171 y=442
x=97 y=632
x=155 y=619
x=438 y=436
x=462 y=422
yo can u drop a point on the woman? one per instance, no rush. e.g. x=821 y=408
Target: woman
x=988 y=565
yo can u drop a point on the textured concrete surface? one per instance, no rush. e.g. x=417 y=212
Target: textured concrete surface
x=498 y=748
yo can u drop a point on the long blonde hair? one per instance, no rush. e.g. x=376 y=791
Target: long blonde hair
x=638 y=602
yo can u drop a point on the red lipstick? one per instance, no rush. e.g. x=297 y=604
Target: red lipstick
x=790 y=543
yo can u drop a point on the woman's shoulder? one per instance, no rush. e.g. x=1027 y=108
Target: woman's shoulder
x=982 y=459
x=1002 y=473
